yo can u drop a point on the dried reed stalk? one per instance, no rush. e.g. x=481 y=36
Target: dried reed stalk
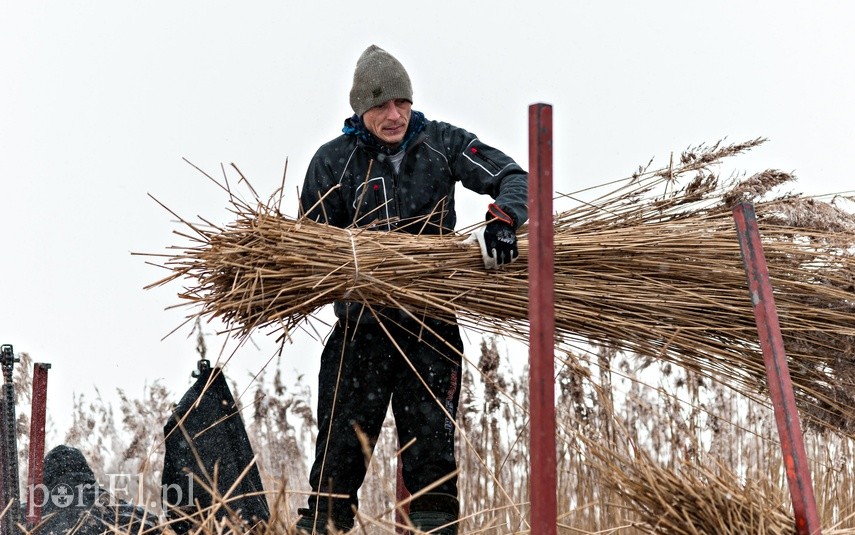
x=650 y=268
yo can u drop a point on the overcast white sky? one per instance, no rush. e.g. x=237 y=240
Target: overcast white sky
x=101 y=100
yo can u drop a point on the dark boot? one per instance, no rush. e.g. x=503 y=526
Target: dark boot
x=312 y=523
x=435 y=513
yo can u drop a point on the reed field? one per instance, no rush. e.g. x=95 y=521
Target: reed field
x=642 y=448
x=663 y=422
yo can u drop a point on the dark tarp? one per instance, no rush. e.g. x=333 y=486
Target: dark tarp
x=211 y=440
x=74 y=502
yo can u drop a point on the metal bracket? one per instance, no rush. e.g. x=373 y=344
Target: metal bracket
x=201 y=367
x=8 y=360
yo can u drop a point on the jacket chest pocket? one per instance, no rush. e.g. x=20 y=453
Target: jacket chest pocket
x=424 y=194
x=371 y=204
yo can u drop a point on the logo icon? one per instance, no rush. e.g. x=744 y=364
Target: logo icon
x=62 y=495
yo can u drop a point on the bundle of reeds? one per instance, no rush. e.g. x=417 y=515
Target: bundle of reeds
x=695 y=499
x=652 y=267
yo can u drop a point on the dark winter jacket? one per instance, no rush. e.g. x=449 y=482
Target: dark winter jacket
x=419 y=198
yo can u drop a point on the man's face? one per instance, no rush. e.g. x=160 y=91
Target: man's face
x=388 y=121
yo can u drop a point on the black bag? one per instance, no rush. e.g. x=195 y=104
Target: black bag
x=211 y=435
x=75 y=503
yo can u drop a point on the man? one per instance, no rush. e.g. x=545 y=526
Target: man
x=394 y=170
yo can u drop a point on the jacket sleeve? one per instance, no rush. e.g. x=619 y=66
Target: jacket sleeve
x=320 y=200
x=487 y=170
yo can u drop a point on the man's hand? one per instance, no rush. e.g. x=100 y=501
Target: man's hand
x=498 y=239
x=500 y=235
x=500 y=242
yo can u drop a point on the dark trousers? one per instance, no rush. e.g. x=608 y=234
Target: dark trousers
x=362 y=370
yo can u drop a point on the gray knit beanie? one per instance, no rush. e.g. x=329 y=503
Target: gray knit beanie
x=378 y=77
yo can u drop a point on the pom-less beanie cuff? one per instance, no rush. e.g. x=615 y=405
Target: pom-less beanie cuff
x=378 y=78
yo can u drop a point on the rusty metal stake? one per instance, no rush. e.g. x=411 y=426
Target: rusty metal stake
x=35 y=471
x=541 y=313
x=775 y=360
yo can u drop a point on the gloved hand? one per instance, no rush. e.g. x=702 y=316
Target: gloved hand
x=498 y=240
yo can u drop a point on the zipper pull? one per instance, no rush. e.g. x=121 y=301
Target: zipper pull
x=377 y=198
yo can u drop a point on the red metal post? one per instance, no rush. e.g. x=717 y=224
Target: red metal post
x=35 y=471
x=777 y=371
x=541 y=313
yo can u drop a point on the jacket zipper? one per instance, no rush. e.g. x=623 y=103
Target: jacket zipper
x=395 y=197
x=378 y=202
x=484 y=158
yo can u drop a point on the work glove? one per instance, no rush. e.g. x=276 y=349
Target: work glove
x=498 y=239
